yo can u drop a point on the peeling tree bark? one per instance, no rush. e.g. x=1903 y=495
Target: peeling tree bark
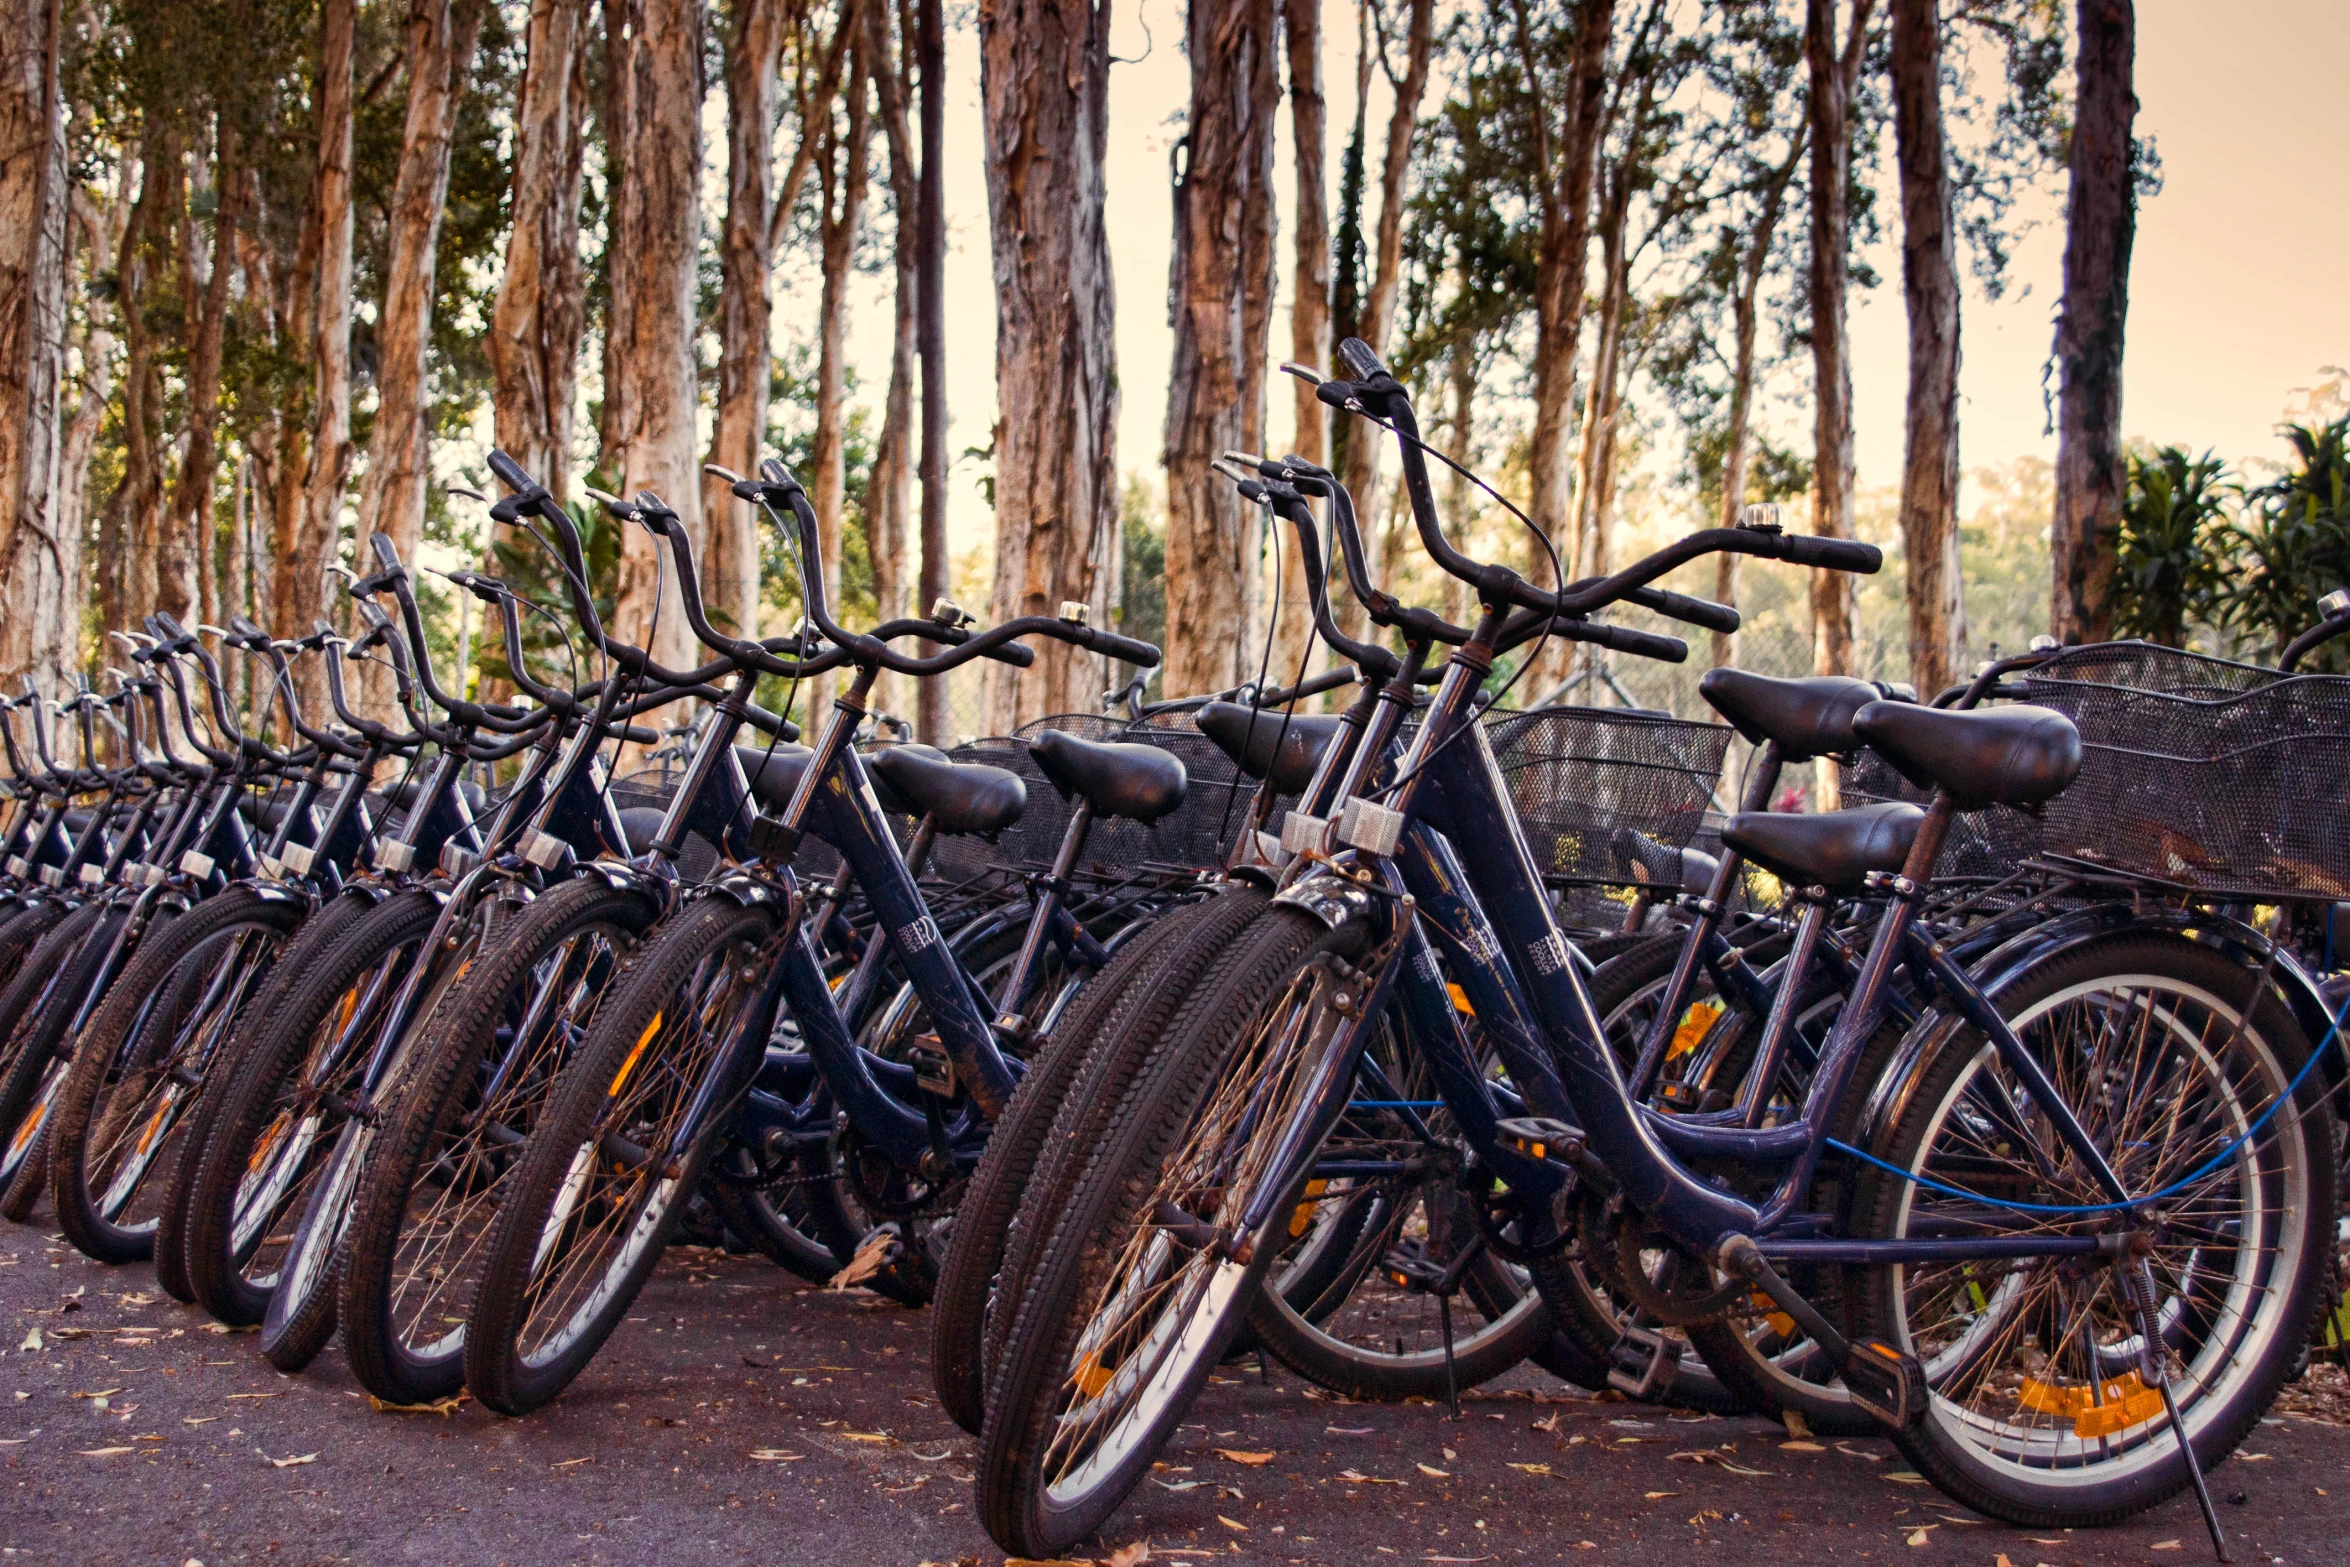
x=2100 y=225
x=186 y=579
x=754 y=96
x=1744 y=331
x=1929 y=282
x=1833 y=74
x=1045 y=84
x=1378 y=315
x=1216 y=389
x=540 y=312
x=39 y=630
x=305 y=525
x=842 y=162
x=1309 y=312
x=930 y=331
x=441 y=36
x=142 y=407
x=889 y=489
x=653 y=444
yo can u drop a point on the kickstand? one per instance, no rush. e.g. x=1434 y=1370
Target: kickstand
x=1264 y=1376
x=2153 y=1362
x=1452 y=1386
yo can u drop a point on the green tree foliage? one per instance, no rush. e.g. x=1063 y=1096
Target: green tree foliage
x=2170 y=574
x=2292 y=545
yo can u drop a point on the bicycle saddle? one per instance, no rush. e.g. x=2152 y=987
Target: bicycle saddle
x=773 y=775
x=1833 y=849
x=1248 y=735
x=1138 y=782
x=261 y=813
x=963 y=796
x=1988 y=756
x=1808 y=718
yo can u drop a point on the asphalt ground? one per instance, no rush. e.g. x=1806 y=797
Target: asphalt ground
x=743 y=1417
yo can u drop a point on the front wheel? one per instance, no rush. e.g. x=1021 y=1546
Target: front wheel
x=2188 y=1075
x=592 y=1204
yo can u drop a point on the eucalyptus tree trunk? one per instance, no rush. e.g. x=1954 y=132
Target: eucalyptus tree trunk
x=189 y=580
x=40 y=625
x=1929 y=283
x=842 y=162
x=1044 y=80
x=1377 y=320
x=541 y=307
x=304 y=526
x=441 y=38
x=100 y=241
x=2100 y=225
x=1833 y=72
x=615 y=121
x=930 y=331
x=160 y=198
x=651 y=339
x=1309 y=315
x=1567 y=167
x=1601 y=403
x=889 y=488
x=1744 y=332
x=746 y=257
x=1211 y=564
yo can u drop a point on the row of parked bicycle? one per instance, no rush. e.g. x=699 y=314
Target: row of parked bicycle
x=1404 y=1043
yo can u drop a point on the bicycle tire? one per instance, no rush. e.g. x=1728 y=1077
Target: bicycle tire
x=37 y=1008
x=137 y=1046
x=389 y=1244
x=228 y=1253
x=531 y=1246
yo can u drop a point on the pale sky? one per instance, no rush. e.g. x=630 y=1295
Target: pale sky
x=2238 y=287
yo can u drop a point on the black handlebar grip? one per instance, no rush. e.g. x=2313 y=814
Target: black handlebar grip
x=1623 y=639
x=1682 y=606
x=509 y=471
x=1809 y=549
x=385 y=555
x=1017 y=654
x=1126 y=650
x=1360 y=361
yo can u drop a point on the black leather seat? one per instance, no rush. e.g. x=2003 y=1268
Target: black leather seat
x=1250 y=735
x=1140 y=783
x=1993 y=756
x=403 y=794
x=1808 y=718
x=963 y=796
x=642 y=823
x=260 y=812
x=773 y=775
x=1657 y=864
x=1834 y=849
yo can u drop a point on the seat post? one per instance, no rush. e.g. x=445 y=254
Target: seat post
x=1041 y=919
x=1926 y=848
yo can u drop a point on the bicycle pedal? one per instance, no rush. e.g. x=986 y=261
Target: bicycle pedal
x=1689 y=1097
x=1887 y=1382
x=934 y=1069
x=1409 y=1267
x=1643 y=1363
x=1540 y=1137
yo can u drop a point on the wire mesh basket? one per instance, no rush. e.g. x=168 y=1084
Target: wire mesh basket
x=2201 y=773
x=1605 y=796
x=1986 y=845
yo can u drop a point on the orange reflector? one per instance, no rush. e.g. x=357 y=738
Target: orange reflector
x=1305 y=1210
x=1089 y=1375
x=1695 y=1024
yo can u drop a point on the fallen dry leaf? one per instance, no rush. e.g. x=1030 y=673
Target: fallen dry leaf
x=1797 y=1427
x=1253 y=1460
x=1232 y=1523
x=233 y=1397
x=1917 y=1537
x=1356 y=1477
x=288 y=1463
x=32 y=1342
x=2251 y=1458
x=104 y=1392
x=1532 y=1469
x=1801 y=1447
x=868 y=1436
x=1658 y=1496
x=2164 y=1545
x=775 y=1455
x=566 y=1463
x=1551 y=1425
x=1903 y=1477
x=444 y=1407
x=879 y=1250
x=1130 y=1555
x=199 y=1420
x=2002 y=1561
x=1439 y=1474
x=105 y=1452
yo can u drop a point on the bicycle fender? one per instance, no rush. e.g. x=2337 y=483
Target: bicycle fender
x=1327 y=896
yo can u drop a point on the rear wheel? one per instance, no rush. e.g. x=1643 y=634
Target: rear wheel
x=36 y=1010
x=597 y=1193
x=2181 y=1066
